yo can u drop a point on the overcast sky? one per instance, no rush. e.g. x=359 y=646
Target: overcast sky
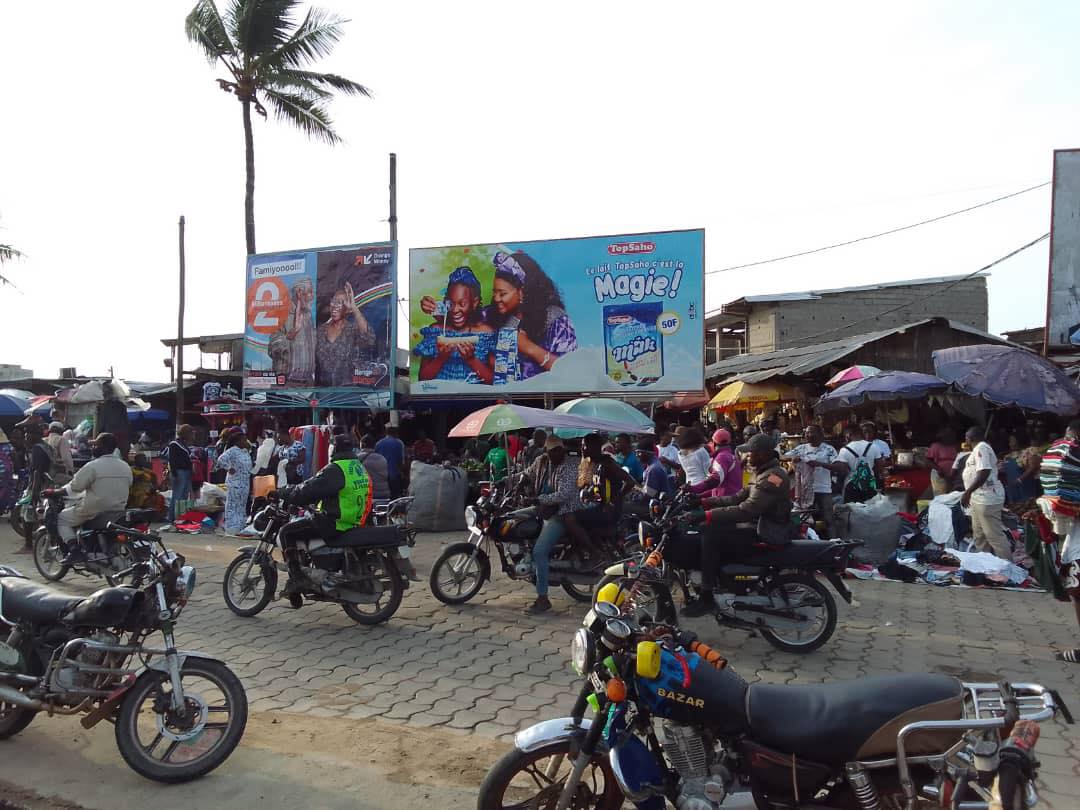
x=776 y=131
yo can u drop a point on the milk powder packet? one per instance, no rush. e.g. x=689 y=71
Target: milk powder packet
x=633 y=344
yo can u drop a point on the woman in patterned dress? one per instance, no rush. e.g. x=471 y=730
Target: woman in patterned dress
x=340 y=341
x=300 y=332
x=236 y=461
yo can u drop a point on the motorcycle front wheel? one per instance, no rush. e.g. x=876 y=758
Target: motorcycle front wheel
x=537 y=778
x=458 y=575
x=248 y=587
x=386 y=591
x=49 y=556
x=165 y=747
x=812 y=603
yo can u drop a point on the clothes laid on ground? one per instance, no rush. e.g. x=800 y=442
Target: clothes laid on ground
x=1059 y=472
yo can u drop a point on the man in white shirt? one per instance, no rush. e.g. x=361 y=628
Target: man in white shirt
x=870 y=449
x=668 y=454
x=985 y=496
x=818 y=457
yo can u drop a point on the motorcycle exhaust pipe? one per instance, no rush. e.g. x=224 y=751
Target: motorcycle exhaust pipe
x=17 y=698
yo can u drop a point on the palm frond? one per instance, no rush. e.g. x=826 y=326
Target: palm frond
x=315 y=37
x=327 y=82
x=8 y=253
x=291 y=81
x=303 y=112
x=261 y=26
x=206 y=29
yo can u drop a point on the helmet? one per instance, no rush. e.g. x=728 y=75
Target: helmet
x=343 y=446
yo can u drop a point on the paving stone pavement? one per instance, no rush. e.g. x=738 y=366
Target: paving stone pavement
x=486 y=668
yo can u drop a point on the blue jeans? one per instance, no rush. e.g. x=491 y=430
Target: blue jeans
x=549 y=535
x=181 y=490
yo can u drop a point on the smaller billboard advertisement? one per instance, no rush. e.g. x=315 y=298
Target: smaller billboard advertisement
x=605 y=314
x=319 y=327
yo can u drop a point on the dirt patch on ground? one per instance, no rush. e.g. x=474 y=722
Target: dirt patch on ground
x=414 y=756
x=15 y=798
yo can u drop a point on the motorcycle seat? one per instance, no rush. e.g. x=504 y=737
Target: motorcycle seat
x=133 y=516
x=21 y=599
x=367 y=537
x=835 y=723
x=99 y=522
x=796 y=554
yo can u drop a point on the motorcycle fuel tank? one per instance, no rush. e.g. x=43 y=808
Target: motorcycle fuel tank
x=690 y=690
x=520 y=527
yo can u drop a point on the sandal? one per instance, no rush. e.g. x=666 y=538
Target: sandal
x=1069 y=656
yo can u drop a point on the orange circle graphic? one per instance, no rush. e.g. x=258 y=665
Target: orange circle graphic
x=267 y=305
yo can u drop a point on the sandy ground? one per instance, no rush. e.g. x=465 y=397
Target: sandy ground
x=286 y=760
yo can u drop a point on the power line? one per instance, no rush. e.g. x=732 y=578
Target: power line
x=876 y=235
x=937 y=291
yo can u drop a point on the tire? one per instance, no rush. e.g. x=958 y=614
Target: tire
x=804 y=583
x=657 y=601
x=579 y=593
x=391 y=581
x=473 y=567
x=47 y=556
x=16 y=521
x=497 y=783
x=13 y=720
x=140 y=756
x=267 y=581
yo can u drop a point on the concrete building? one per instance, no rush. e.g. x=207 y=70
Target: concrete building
x=767 y=323
x=10 y=371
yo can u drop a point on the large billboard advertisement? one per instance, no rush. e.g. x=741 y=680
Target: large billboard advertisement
x=319 y=327
x=1063 y=302
x=605 y=314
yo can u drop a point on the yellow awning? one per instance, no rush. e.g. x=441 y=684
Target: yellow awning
x=740 y=393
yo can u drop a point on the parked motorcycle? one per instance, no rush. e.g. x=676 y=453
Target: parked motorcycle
x=673 y=723
x=497 y=520
x=775 y=592
x=177 y=715
x=102 y=547
x=24 y=514
x=358 y=569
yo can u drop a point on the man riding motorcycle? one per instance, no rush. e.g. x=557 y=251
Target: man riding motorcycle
x=105 y=483
x=766 y=503
x=342 y=491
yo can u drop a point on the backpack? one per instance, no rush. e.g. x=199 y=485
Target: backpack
x=861 y=484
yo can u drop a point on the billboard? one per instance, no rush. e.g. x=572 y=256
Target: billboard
x=319 y=327
x=1063 y=300
x=605 y=314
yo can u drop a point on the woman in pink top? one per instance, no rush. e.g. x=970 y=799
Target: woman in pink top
x=942 y=453
x=725 y=471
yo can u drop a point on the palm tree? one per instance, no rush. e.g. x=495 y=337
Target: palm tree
x=265 y=53
x=7 y=254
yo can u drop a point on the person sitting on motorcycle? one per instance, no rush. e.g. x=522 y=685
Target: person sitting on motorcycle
x=766 y=503
x=342 y=491
x=608 y=481
x=554 y=478
x=104 y=483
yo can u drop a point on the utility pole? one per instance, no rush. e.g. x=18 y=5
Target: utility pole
x=180 y=336
x=393 y=197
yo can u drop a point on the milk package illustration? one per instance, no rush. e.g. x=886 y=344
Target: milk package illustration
x=633 y=344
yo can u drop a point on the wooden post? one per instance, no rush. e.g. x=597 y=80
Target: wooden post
x=179 y=364
x=393 y=197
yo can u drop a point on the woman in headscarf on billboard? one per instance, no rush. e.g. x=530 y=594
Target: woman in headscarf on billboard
x=459 y=346
x=341 y=341
x=526 y=304
x=300 y=332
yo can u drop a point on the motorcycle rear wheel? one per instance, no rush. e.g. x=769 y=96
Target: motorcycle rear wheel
x=48 y=556
x=520 y=777
x=13 y=719
x=803 y=587
x=390 y=581
x=209 y=686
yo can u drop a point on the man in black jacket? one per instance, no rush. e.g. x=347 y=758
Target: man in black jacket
x=342 y=493
x=178 y=454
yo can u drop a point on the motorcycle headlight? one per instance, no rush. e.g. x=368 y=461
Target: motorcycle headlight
x=581 y=652
x=470 y=517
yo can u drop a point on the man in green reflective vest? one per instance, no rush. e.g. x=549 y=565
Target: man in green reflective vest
x=341 y=492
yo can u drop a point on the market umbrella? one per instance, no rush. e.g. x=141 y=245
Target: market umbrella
x=743 y=393
x=1008 y=376
x=613 y=410
x=687 y=401
x=884 y=386
x=13 y=405
x=503 y=418
x=852 y=373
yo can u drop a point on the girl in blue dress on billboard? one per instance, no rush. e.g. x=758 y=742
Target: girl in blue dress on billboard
x=461 y=346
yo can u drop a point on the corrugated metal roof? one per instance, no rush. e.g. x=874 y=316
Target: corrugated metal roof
x=804 y=359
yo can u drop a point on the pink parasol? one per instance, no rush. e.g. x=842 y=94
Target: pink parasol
x=852 y=373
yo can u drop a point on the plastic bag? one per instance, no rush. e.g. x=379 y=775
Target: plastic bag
x=876 y=523
x=439 y=497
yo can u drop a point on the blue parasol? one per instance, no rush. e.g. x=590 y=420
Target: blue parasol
x=12 y=405
x=884 y=386
x=1008 y=376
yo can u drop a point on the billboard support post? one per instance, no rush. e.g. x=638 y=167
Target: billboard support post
x=393 y=197
x=179 y=370
x=1063 y=275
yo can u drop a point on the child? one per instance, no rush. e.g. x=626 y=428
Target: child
x=461 y=348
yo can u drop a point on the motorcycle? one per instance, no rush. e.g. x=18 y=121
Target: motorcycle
x=177 y=715
x=24 y=514
x=774 y=592
x=102 y=546
x=673 y=723
x=498 y=520
x=358 y=569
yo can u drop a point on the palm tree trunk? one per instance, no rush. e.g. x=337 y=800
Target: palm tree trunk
x=249 y=189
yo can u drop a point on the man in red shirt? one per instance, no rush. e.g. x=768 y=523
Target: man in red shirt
x=514 y=444
x=423 y=448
